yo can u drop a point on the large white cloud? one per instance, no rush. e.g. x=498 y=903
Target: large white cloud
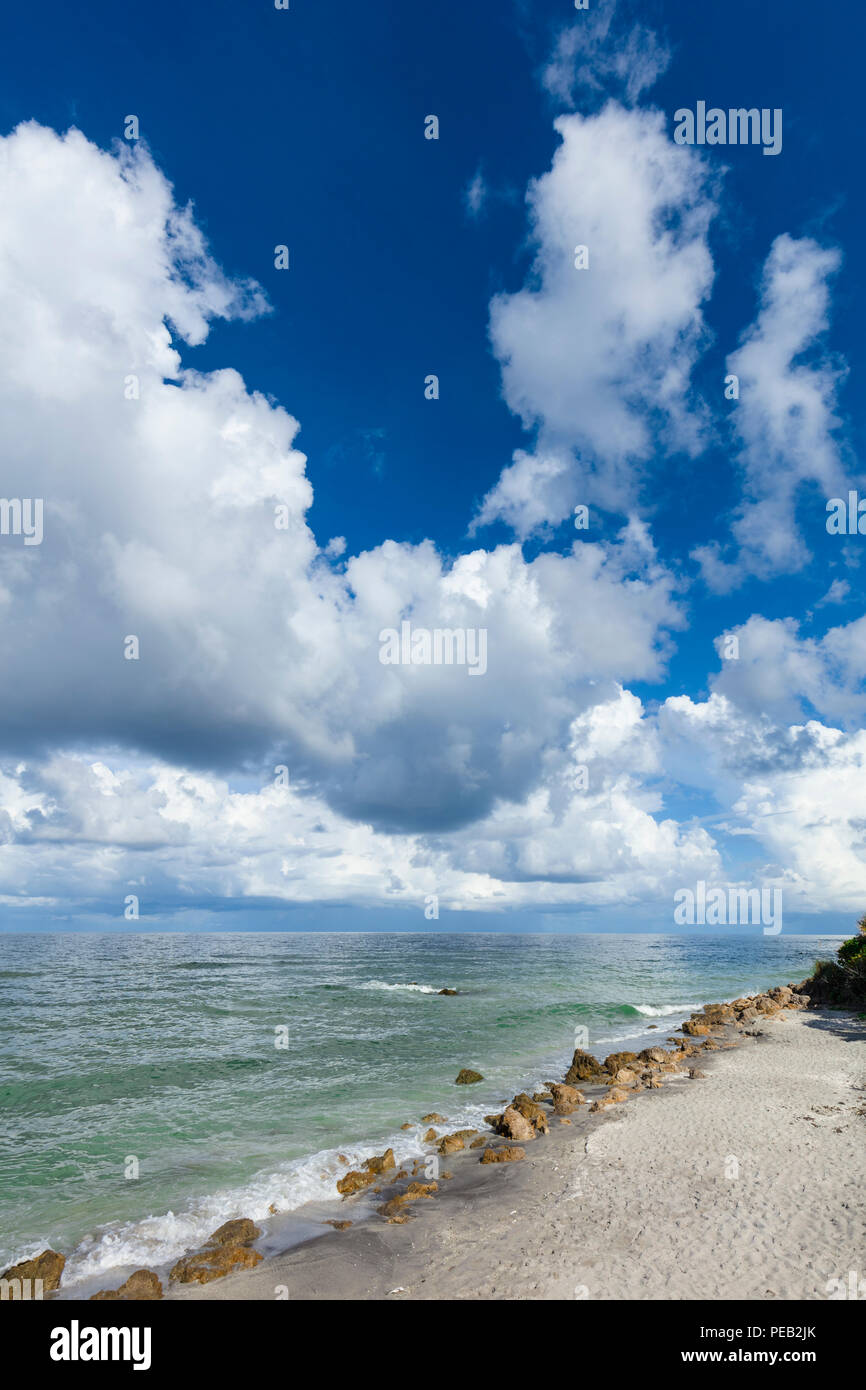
x=598 y=361
x=786 y=421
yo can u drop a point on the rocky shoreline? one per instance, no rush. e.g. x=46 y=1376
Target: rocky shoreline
x=590 y=1087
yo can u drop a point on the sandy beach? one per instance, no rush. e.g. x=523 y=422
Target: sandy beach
x=742 y=1183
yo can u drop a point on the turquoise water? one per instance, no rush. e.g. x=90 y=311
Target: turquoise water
x=161 y=1049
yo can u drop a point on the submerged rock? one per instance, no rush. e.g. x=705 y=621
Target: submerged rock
x=468 y=1077
x=433 y=1119
x=339 y=1225
x=447 y=991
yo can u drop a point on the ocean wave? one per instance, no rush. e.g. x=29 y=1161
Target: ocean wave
x=665 y=1010
x=413 y=987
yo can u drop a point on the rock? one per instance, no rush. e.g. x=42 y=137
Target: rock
x=468 y=1077
x=616 y=1060
x=651 y=1026
x=563 y=1120
x=433 y=1119
x=354 y=1182
x=603 y=1103
x=492 y=1120
x=48 y=1266
x=515 y=1126
x=655 y=1054
x=584 y=1067
x=415 y=1190
x=654 y=1084
x=542 y=1096
x=625 y=1076
x=695 y=1075
x=617 y=1096
x=273 y=1210
x=240 y=1232
x=381 y=1163
x=476 y=1144
x=451 y=1144
x=504 y=1155
x=447 y=991
x=341 y=1158
x=565 y=1098
x=527 y=1107
x=339 y=1225
x=143 y=1286
x=430 y=1137
x=695 y=1030
x=214 y=1263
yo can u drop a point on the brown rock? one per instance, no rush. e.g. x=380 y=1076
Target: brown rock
x=415 y=1190
x=654 y=1054
x=433 y=1119
x=515 y=1126
x=240 y=1232
x=584 y=1067
x=504 y=1155
x=563 y=1120
x=339 y=1225
x=47 y=1266
x=625 y=1076
x=381 y=1163
x=695 y=1030
x=447 y=991
x=451 y=1144
x=476 y=1144
x=143 y=1286
x=214 y=1263
x=430 y=1137
x=527 y=1107
x=354 y=1182
x=565 y=1098
x=616 y=1060
x=467 y=1077
x=695 y=1075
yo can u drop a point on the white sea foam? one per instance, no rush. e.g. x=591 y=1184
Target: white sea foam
x=304 y=1188
x=665 y=1010
x=413 y=987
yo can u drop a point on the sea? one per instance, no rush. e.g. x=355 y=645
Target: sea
x=153 y=1086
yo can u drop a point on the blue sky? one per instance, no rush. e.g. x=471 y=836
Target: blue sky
x=306 y=128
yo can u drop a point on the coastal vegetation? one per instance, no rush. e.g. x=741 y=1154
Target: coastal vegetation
x=841 y=982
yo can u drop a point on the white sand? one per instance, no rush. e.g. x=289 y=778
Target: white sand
x=750 y=1183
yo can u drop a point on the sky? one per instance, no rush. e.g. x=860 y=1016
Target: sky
x=244 y=467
